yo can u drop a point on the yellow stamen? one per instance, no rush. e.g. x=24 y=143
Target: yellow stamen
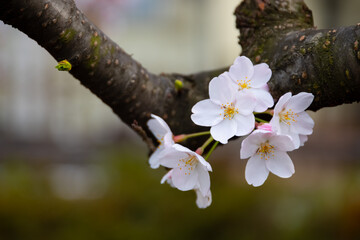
x=244 y=84
x=190 y=163
x=287 y=116
x=229 y=110
x=265 y=150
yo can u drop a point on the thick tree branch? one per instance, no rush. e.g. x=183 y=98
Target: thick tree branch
x=325 y=62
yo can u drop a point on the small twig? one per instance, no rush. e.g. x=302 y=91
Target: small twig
x=143 y=135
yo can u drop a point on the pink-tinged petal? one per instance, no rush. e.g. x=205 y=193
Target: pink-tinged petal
x=281 y=103
x=262 y=74
x=256 y=172
x=221 y=90
x=203 y=201
x=282 y=143
x=265 y=88
x=304 y=124
x=203 y=179
x=245 y=103
x=264 y=100
x=303 y=139
x=300 y=102
x=245 y=124
x=158 y=126
x=280 y=164
x=223 y=131
x=184 y=179
x=251 y=144
x=206 y=113
x=265 y=127
x=242 y=69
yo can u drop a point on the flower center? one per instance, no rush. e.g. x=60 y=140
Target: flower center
x=287 y=116
x=243 y=84
x=190 y=164
x=265 y=150
x=229 y=110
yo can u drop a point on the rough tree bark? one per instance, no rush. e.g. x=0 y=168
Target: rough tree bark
x=281 y=33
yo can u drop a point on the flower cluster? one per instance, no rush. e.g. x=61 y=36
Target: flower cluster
x=236 y=100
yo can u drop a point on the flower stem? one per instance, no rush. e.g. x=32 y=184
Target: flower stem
x=201 y=149
x=183 y=137
x=211 y=150
x=260 y=120
x=269 y=112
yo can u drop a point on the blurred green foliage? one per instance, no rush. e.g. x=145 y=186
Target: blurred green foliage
x=136 y=206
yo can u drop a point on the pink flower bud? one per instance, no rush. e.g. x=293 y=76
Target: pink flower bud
x=265 y=127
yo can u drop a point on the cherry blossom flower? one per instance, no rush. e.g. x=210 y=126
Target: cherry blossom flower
x=250 y=79
x=164 y=136
x=267 y=152
x=226 y=112
x=189 y=169
x=202 y=201
x=290 y=117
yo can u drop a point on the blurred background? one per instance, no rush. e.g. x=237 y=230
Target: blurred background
x=70 y=169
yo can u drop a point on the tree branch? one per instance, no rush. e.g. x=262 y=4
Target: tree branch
x=325 y=62
x=280 y=33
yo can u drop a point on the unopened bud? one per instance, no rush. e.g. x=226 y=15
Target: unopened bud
x=178 y=85
x=63 y=65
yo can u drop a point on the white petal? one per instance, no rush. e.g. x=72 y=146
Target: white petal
x=154 y=159
x=168 y=140
x=245 y=124
x=203 y=179
x=181 y=148
x=158 y=126
x=303 y=139
x=281 y=103
x=300 y=102
x=206 y=113
x=203 y=162
x=262 y=74
x=280 y=164
x=264 y=100
x=221 y=90
x=184 y=179
x=251 y=144
x=172 y=158
x=241 y=69
x=304 y=124
x=256 y=172
x=282 y=143
x=203 y=201
x=223 y=131
x=275 y=124
x=285 y=129
x=167 y=178
x=295 y=139
x=245 y=103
